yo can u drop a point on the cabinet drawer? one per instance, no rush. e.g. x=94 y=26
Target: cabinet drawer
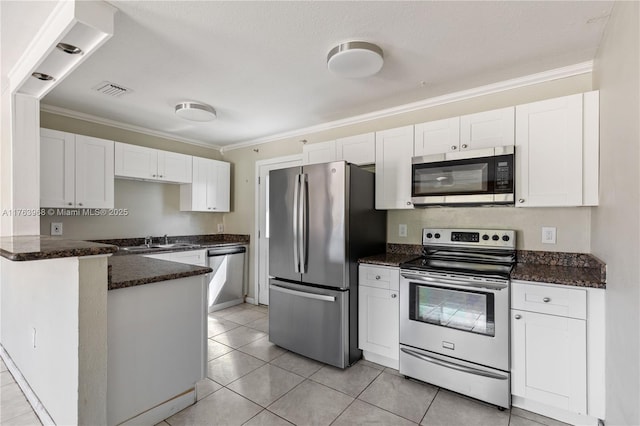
x=380 y=277
x=549 y=299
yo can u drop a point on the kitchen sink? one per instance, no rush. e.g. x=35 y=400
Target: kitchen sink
x=159 y=247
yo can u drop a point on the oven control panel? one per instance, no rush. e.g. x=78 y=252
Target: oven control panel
x=503 y=238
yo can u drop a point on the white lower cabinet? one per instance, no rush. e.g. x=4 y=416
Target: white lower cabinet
x=379 y=314
x=553 y=369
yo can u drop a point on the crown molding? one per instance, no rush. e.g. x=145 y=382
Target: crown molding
x=528 y=80
x=124 y=126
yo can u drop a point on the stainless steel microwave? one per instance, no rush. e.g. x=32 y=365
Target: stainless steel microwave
x=464 y=178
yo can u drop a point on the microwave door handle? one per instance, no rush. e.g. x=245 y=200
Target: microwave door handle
x=443 y=281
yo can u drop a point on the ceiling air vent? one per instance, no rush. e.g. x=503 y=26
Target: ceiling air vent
x=111 y=89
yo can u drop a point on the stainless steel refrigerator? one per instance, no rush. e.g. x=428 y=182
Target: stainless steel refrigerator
x=322 y=220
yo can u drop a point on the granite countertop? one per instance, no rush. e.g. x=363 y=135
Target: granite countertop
x=38 y=247
x=572 y=269
x=129 y=271
x=198 y=241
x=387 y=259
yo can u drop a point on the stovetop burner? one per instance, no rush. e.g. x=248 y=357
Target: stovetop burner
x=469 y=252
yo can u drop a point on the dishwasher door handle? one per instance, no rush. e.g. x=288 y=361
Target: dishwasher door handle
x=225 y=251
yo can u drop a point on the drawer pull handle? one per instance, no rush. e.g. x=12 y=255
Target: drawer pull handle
x=546 y=299
x=465 y=146
x=518 y=316
x=393 y=295
x=377 y=277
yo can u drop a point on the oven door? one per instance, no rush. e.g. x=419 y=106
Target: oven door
x=457 y=316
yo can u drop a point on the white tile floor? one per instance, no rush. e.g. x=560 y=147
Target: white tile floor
x=253 y=382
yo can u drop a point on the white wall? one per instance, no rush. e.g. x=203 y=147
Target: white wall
x=615 y=223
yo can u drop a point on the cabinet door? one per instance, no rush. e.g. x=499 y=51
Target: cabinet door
x=197 y=201
x=94 y=172
x=378 y=321
x=138 y=162
x=549 y=152
x=359 y=149
x=549 y=360
x=57 y=168
x=437 y=137
x=394 y=149
x=322 y=152
x=174 y=167
x=222 y=171
x=487 y=129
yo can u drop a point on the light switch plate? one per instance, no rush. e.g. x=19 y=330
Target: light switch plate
x=220 y=227
x=56 y=228
x=402 y=230
x=548 y=235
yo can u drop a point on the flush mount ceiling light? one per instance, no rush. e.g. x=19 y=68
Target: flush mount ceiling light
x=195 y=111
x=355 y=59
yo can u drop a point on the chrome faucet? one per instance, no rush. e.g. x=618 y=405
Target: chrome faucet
x=166 y=239
x=148 y=240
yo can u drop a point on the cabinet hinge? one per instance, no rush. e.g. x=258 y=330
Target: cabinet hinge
x=258 y=180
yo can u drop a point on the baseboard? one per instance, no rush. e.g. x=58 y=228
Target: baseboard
x=165 y=410
x=380 y=359
x=225 y=305
x=33 y=400
x=553 y=412
x=250 y=300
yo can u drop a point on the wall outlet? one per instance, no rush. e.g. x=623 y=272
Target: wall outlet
x=548 y=235
x=402 y=230
x=220 y=227
x=56 y=228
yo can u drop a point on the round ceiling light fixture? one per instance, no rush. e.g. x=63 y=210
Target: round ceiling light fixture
x=195 y=111
x=355 y=59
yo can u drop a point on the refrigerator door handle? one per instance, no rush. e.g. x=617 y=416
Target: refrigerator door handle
x=296 y=208
x=304 y=193
x=306 y=295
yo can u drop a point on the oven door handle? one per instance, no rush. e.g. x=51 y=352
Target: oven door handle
x=453 y=366
x=452 y=281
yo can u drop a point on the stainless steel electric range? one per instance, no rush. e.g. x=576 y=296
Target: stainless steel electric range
x=454 y=312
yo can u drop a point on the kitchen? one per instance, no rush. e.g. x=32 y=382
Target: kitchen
x=580 y=229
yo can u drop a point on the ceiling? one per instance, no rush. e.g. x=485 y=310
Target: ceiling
x=262 y=65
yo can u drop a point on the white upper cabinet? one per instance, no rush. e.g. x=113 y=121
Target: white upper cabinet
x=394 y=149
x=437 y=137
x=210 y=187
x=557 y=152
x=322 y=152
x=358 y=149
x=75 y=171
x=474 y=131
x=138 y=162
x=487 y=129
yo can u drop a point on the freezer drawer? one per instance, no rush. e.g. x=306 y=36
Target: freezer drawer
x=310 y=321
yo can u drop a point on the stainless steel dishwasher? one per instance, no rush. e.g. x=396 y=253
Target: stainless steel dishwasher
x=227 y=281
